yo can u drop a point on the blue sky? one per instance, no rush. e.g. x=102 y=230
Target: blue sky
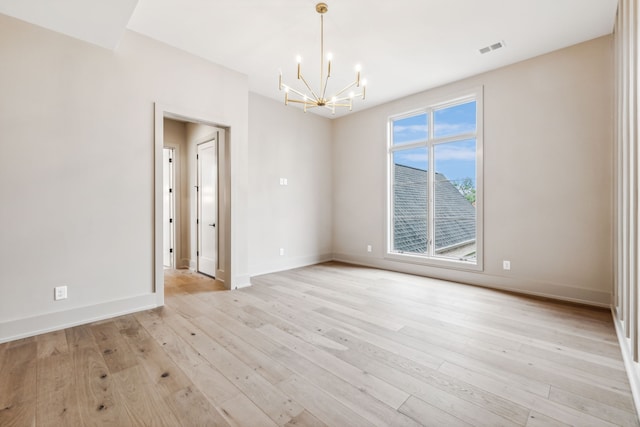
x=456 y=160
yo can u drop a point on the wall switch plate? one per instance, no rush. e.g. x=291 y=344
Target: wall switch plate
x=60 y=292
x=368 y=248
x=506 y=265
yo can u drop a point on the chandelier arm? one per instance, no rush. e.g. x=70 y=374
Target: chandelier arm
x=342 y=102
x=324 y=89
x=346 y=88
x=294 y=91
x=309 y=103
x=344 y=98
x=309 y=87
x=300 y=101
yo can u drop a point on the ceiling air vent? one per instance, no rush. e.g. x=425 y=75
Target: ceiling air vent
x=491 y=47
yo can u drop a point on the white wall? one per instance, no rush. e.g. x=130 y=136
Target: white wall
x=287 y=143
x=77 y=187
x=547 y=176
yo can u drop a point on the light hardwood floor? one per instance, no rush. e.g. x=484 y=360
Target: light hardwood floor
x=330 y=344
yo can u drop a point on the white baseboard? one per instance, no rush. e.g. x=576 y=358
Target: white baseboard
x=520 y=285
x=290 y=263
x=240 y=282
x=632 y=368
x=22 y=328
x=36 y=325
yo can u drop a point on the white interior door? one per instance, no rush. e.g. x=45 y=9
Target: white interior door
x=168 y=208
x=207 y=254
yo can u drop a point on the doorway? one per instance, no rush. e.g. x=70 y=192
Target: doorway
x=200 y=227
x=191 y=197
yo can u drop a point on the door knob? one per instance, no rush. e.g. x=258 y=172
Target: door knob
x=212 y=225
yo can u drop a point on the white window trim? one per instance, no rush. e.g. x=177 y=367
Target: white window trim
x=438 y=103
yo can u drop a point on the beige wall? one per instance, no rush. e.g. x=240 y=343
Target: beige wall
x=175 y=136
x=77 y=139
x=547 y=176
x=287 y=143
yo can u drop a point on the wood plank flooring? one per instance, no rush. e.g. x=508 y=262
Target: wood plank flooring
x=326 y=345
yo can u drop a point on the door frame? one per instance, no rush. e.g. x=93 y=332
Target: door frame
x=224 y=197
x=173 y=198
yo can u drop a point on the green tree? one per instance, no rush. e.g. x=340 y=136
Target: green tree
x=467 y=189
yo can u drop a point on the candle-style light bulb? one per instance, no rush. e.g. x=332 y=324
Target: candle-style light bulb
x=358 y=69
x=299 y=61
x=329 y=59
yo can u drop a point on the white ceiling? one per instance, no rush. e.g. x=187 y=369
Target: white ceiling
x=404 y=46
x=95 y=21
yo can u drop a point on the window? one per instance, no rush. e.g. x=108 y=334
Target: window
x=435 y=186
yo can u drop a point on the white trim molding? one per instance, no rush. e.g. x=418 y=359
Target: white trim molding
x=22 y=328
x=291 y=263
x=632 y=368
x=626 y=259
x=537 y=288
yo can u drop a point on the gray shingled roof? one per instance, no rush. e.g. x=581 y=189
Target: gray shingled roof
x=455 y=216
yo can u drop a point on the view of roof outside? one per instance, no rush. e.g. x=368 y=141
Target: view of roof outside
x=454 y=183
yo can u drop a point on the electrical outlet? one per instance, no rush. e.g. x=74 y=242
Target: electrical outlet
x=281 y=251
x=60 y=292
x=368 y=248
x=506 y=265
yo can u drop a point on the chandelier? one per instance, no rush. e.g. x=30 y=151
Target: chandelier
x=311 y=98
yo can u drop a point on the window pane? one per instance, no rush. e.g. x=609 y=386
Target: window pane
x=410 y=200
x=455 y=199
x=411 y=129
x=455 y=120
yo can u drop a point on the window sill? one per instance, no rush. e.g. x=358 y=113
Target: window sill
x=453 y=264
